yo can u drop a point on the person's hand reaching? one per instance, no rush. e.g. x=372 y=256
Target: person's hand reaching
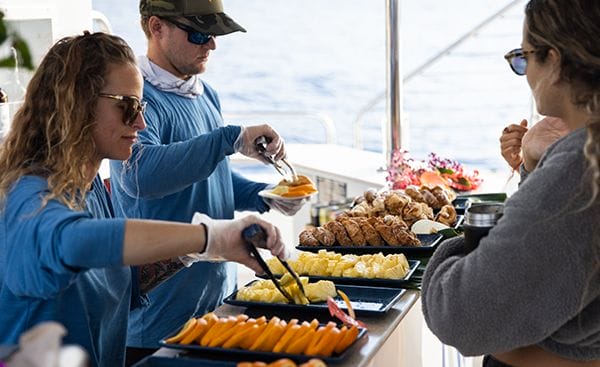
x=511 y=142
x=245 y=143
x=224 y=240
x=287 y=207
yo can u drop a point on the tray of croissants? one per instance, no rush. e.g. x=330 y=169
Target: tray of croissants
x=381 y=221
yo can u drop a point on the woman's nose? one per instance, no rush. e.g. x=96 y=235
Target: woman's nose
x=139 y=123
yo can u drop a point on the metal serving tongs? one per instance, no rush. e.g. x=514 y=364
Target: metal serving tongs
x=256 y=237
x=261 y=145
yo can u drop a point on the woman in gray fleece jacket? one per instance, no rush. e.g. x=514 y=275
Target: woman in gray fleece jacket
x=529 y=295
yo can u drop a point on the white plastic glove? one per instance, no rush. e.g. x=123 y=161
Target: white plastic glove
x=288 y=207
x=245 y=143
x=225 y=243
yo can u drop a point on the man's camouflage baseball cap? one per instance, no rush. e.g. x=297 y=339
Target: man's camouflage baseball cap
x=205 y=16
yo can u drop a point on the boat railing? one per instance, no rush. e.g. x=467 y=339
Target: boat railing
x=281 y=121
x=358 y=121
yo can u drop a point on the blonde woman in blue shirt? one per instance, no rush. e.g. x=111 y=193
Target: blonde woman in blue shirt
x=62 y=255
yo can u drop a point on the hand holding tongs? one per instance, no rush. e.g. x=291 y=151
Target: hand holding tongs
x=255 y=237
x=261 y=146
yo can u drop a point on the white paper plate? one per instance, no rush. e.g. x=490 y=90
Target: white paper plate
x=269 y=194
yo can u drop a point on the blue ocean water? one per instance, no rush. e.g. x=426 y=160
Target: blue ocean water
x=329 y=57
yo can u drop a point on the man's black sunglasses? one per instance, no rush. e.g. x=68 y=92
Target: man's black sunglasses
x=131 y=106
x=195 y=37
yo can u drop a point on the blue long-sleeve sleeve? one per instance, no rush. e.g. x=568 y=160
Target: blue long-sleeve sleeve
x=156 y=170
x=64 y=265
x=245 y=193
x=58 y=241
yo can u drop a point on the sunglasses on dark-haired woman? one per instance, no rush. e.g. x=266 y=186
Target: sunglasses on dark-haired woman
x=131 y=106
x=517 y=59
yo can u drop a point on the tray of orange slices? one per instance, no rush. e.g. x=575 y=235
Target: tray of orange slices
x=265 y=339
x=300 y=188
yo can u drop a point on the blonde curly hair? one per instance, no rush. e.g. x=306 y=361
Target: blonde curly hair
x=51 y=133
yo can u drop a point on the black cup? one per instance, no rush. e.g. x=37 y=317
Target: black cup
x=479 y=219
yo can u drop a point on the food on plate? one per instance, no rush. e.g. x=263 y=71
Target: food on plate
x=272 y=335
x=446 y=215
x=360 y=231
x=402 y=203
x=265 y=290
x=302 y=186
x=332 y=264
x=384 y=218
x=285 y=362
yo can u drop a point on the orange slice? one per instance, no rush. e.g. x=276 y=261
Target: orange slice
x=349 y=338
x=199 y=328
x=187 y=327
x=262 y=339
x=300 y=344
x=256 y=331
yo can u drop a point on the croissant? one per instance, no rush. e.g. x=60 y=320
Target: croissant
x=447 y=215
x=405 y=237
x=387 y=234
x=354 y=231
x=441 y=195
x=339 y=232
x=393 y=220
x=429 y=198
x=325 y=237
x=370 y=195
x=371 y=236
x=414 y=193
x=306 y=238
x=395 y=202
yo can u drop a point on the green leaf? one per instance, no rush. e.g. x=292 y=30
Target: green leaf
x=7 y=62
x=445 y=170
x=448 y=233
x=464 y=181
x=3 y=32
x=23 y=53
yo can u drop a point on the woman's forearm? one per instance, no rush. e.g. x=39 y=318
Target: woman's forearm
x=152 y=241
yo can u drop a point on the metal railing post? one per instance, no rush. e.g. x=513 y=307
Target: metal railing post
x=393 y=127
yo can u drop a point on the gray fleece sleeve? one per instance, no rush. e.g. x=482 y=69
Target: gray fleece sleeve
x=529 y=277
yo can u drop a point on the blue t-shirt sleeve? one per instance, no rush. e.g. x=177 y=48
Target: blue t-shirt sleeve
x=46 y=248
x=246 y=194
x=156 y=170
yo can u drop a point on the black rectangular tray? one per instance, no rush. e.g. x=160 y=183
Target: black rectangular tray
x=248 y=355
x=428 y=243
x=365 y=300
x=152 y=361
x=374 y=282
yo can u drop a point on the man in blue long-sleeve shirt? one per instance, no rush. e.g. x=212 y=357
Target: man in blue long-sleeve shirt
x=181 y=166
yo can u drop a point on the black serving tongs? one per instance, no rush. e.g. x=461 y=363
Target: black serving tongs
x=261 y=146
x=255 y=237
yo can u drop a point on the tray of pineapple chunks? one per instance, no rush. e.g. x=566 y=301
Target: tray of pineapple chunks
x=392 y=270
x=364 y=300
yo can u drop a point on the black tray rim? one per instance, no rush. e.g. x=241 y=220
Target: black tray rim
x=322 y=306
x=386 y=250
x=257 y=355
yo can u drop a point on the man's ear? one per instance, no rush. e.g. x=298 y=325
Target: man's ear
x=156 y=27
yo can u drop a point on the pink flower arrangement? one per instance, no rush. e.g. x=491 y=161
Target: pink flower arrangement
x=405 y=171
